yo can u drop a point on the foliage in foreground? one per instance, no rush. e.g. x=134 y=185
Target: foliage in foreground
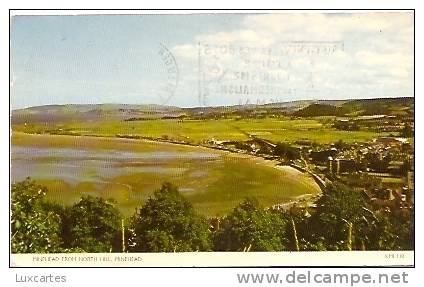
x=34 y=228
x=94 y=224
x=343 y=220
x=37 y=226
x=167 y=222
x=251 y=227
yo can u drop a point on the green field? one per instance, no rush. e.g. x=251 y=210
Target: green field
x=196 y=131
x=130 y=170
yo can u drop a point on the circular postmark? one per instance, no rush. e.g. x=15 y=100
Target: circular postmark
x=169 y=83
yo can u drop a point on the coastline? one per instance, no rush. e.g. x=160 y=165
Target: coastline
x=120 y=143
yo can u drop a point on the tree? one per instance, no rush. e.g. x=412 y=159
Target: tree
x=168 y=223
x=94 y=224
x=392 y=231
x=349 y=125
x=340 y=145
x=316 y=110
x=340 y=218
x=343 y=220
x=287 y=151
x=376 y=163
x=35 y=228
x=250 y=227
x=407 y=131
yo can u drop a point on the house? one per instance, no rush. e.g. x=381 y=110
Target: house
x=322 y=155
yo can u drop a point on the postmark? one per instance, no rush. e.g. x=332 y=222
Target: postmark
x=258 y=74
x=171 y=75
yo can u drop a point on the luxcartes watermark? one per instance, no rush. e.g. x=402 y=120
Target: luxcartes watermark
x=49 y=278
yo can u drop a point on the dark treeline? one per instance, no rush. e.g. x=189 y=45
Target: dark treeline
x=167 y=222
x=317 y=110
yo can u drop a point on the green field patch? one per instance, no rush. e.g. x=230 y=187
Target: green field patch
x=196 y=131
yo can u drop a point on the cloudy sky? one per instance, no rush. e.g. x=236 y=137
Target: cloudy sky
x=195 y=60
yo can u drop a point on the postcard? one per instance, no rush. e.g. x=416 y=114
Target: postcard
x=274 y=138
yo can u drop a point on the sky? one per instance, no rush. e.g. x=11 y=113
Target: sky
x=210 y=59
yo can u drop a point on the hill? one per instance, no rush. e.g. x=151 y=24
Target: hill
x=90 y=112
x=317 y=110
x=303 y=108
x=386 y=106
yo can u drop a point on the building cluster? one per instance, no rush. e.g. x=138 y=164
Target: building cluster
x=388 y=159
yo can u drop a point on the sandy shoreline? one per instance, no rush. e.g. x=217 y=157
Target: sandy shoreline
x=287 y=170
